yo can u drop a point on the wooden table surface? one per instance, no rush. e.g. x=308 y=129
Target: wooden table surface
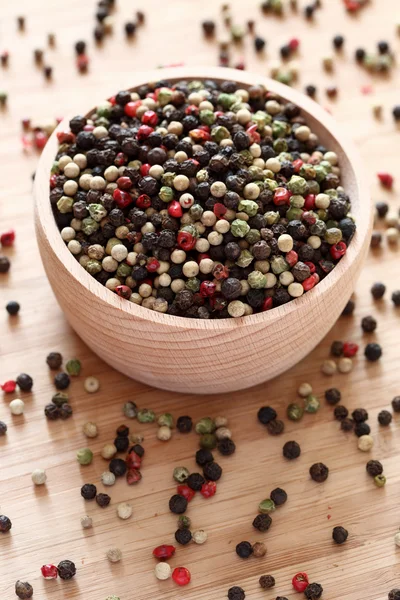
x=46 y=520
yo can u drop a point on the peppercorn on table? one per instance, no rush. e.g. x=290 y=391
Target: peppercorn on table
x=46 y=462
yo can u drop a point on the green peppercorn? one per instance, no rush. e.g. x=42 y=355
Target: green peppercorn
x=97 y=212
x=205 y=425
x=239 y=228
x=166 y=194
x=207 y=117
x=257 y=280
x=266 y=506
x=184 y=522
x=333 y=235
x=130 y=410
x=297 y=185
x=65 y=204
x=145 y=415
x=279 y=265
x=295 y=412
x=208 y=441
x=166 y=420
x=245 y=259
x=59 y=398
x=220 y=133
x=249 y=207
x=380 y=480
x=180 y=474
x=89 y=225
x=73 y=367
x=84 y=456
x=311 y=404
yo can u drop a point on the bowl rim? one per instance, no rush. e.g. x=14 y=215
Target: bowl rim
x=45 y=219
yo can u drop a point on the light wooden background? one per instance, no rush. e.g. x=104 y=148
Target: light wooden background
x=46 y=521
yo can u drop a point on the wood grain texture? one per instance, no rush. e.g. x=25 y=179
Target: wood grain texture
x=46 y=521
x=210 y=356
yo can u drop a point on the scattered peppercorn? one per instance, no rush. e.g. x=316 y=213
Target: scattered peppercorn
x=212 y=471
x=103 y=500
x=259 y=550
x=319 y=472
x=396 y=298
x=183 y=536
x=244 y=549
x=337 y=348
x=5 y=524
x=396 y=404
x=66 y=569
x=313 y=591
x=184 y=424
x=362 y=429
x=373 y=352
x=349 y=308
x=266 y=582
x=178 y=504
x=360 y=415
x=118 y=467
x=333 y=396
x=203 y=457
x=278 y=496
x=340 y=535
x=12 y=308
x=262 y=522
x=88 y=491
x=195 y=481
x=338 y=42
x=385 y=417
x=266 y=414
x=208 y=27
x=54 y=360
x=380 y=480
x=394 y=594
x=4 y=264
x=347 y=424
x=23 y=590
x=291 y=450
x=236 y=593
x=275 y=427
x=226 y=447
x=3 y=428
x=374 y=468
x=378 y=290
x=62 y=381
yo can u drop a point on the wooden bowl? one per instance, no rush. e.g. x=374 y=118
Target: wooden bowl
x=194 y=355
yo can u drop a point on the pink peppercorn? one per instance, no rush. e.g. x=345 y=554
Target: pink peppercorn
x=150 y=118
x=192 y=109
x=207 y=289
x=219 y=210
x=123 y=291
x=199 y=135
x=9 y=386
x=281 y=196
x=267 y=304
x=145 y=169
x=338 y=250
x=152 y=265
x=133 y=476
x=122 y=199
x=49 y=571
x=310 y=282
x=297 y=164
x=133 y=460
x=208 y=489
x=186 y=240
x=292 y=258
x=181 y=576
x=386 y=180
x=175 y=209
x=350 y=349
x=124 y=183
x=7 y=238
x=186 y=492
x=294 y=43
x=40 y=139
x=143 y=132
x=131 y=107
x=164 y=552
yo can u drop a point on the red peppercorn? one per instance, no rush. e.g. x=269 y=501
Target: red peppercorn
x=208 y=489
x=150 y=118
x=297 y=164
x=144 y=201
x=204 y=128
x=152 y=265
x=120 y=159
x=218 y=302
x=311 y=266
x=65 y=137
x=40 y=139
x=133 y=476
x=281 y=196
x=131 y=107
x=350 y=349
x=184 y=490
x=253 y=134
x=145 y=169
x=219 y=210
x=240 y=65
x=82 y=63
x=293 y=44
x=9 y=386
x=338 y=250
x=267 y=304
x=152 y=95
x=202 y=256
x=309 y=217
x=175 y=209
x=300 y=582
x=386 y=180
x=133 y=460
x=143 y=132
x=53 y=181
x=309 y=203
x=310 y=282
x=122 y=199
x=220 y=271
x=124 y=183
x=292 y=258
x=7 y=238
x=186 y=240
x=181 y=576
x=124 y=291
x=164 y=552
x=49 y=571
x=192 y=109
x=207 y=289
x=199 y=135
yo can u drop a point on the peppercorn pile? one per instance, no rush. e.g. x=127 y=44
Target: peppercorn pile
x=200 y=200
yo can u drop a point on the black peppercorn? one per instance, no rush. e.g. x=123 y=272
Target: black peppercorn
x=396 y=404
x=340 y=412
x=266 y=414
x=208 y=27
x=360 y=54
x=396 y=298
x=394 y=594
x=177 y=504
x=12 y=308
x=333 y=396
x=340 y=535
x=23 y=590
x=212 y=471
x=311 y=90
x=262 y=522
x=378 y=290
x=231 y=288
x=374 y=468
x=259 y=44
x=88 y=491
x=138 y=449
x=203 y=457
x=373 y=352
x=347 y=425
x=121 y=443
x=337 y=348
x=3 y=428
x=291 y=450
x=122 y=430
x=103 y=500
x=25 y=382
x=244 y=549
x=118 y=467
x=338 y=42
x=266 y=582
x=360 y=415
x=52 y=412
x=226 y=447
x=313 y=591
x=275 y=427
x=309 y=11
x=368 y=324
x=130 y=28
x=362 y=429
x=383 y=47
x=4 y=264
x=183 y=536
x=62 y=381
x=236 y=593
x=184 y=424
x=80 y=47
x=66 y=568
x=382 y=209
x=5 y=524
x=385 y=417
x=319 y=472
x=195 y=481
x=65 y=411
x=278 y=496
x=349 y=308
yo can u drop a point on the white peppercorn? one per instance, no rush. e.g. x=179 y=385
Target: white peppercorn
x=39 y=476
x=220 y=422
x=17 y=406
x=328 y=367
x=162 y=571
x=114 y=555
x=365 y=443
x=108 y=451
x=199 y=536
x=91 y=384
x=124 y=510
x=86 y=522
x=304 y=390
x=164 y=433
x=107 y=478
x=222 y=433
x=90 y=429
x=345 y=365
